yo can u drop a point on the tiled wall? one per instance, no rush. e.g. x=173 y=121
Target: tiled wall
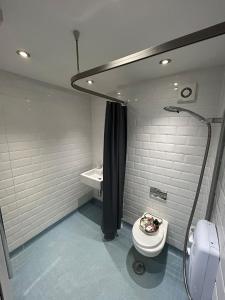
x=165 y=150
x=98 y=118
x=45 y=143
x=218 y=218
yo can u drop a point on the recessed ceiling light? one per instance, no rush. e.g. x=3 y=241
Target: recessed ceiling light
x=90 y=81
x=23 y=53
x=118 y=93
x=165 y=61
x=175 y=89
x=175 y=83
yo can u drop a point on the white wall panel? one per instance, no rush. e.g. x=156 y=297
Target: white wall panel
x=165 y=150
x=45 y=143
x=218 y=216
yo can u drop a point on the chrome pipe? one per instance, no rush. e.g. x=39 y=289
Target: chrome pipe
x=201 y=119
x=216 y=170
x=76 y=34
x=194 y=208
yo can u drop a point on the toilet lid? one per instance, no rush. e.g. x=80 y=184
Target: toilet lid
x=145 y=240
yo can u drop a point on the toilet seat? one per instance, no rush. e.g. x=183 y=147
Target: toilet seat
x=147 y=241
x=149 y=245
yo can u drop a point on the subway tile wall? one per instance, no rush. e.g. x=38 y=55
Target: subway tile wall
x=45 y=143
x=218 y=217
x=165 y=150
x=98 y=119
x=168 y=155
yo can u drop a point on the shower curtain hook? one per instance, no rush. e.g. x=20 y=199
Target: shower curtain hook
x=76 y=34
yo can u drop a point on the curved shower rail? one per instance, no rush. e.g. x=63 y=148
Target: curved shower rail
x=186 y=40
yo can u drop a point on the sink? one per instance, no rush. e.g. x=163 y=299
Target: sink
x=93 y=178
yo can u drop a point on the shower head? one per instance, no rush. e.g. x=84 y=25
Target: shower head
x=172 y=109
x=178 y=109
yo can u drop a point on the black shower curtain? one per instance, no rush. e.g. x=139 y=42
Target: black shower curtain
x=114 y=163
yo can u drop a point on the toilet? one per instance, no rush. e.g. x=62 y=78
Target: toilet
x=149 y=245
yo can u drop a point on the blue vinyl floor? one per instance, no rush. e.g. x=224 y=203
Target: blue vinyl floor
x=72 y=262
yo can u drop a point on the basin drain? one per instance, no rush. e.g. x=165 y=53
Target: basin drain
x=139 y=267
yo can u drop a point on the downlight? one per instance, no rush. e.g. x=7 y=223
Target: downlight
x=90 y=81
x=165 y=61
x=23 y=53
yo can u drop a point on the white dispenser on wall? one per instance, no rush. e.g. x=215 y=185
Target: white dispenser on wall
x=203 y=261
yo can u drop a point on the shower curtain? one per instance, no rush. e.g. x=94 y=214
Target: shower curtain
x=114 y=163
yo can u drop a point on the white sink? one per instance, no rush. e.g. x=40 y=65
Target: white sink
x=93 y=178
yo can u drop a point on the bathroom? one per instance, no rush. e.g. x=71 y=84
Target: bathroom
x=88 y=152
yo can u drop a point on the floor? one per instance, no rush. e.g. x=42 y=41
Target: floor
x=72 y=262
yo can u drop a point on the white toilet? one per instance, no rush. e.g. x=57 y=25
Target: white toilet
x=149 y=245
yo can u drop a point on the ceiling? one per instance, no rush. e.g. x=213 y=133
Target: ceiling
x=109 y=29
x=202 y=55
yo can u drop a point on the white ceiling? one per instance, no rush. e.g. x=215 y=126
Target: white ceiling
x=206 y=54
x=109 y=29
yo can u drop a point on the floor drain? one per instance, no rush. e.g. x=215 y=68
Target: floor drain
x=139 y=267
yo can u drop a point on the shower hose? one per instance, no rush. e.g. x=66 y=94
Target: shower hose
x=194 y=208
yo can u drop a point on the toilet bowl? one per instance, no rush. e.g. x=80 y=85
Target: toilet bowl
x=149 y=245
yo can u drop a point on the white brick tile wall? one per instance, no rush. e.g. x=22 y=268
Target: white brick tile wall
x=165 y=150
x=166 y=161
x=218 y=216
x=45 y=143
